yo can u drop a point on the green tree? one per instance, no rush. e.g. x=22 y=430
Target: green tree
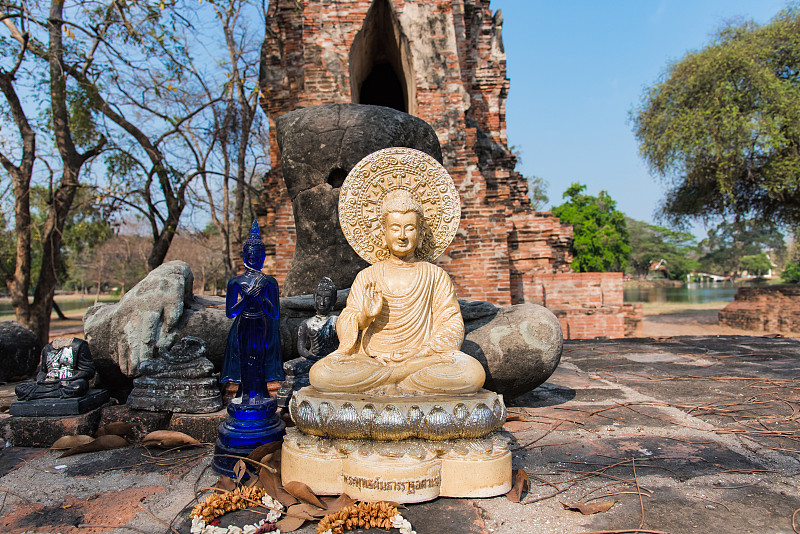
x=728 y=243
x=791 y=275
x=756 y=264
x=723 y=126
x=600 y=236
x=651 y=243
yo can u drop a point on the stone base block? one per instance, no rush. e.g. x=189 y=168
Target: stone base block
x=406 y=471
x=44 y=431
x=178 y=395
x=148 y=421
x=52 y=407
x=203 y=427
x=387 y=418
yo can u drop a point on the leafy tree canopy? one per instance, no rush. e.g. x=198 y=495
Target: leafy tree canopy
x=756 y=265
x=651 y=243
x=723 y=126
x=600 y=235
x=791 y=275
x=728 y=243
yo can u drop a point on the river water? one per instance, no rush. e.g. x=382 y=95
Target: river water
x=687 y=293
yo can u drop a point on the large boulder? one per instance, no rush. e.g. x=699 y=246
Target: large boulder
x=19 y=351
x=519 y=347
x=319 y=146
x=150 y=317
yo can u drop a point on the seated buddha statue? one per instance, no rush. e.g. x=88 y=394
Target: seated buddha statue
x=64 y=372
x=401 y=329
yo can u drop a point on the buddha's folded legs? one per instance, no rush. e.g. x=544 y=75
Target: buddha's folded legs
x=464 y=374
x=352 y=373
x=455 y=373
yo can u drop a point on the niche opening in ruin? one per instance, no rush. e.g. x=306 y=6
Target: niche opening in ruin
x=380 y=62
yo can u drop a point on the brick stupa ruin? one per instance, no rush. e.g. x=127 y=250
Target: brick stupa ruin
x=442 y=61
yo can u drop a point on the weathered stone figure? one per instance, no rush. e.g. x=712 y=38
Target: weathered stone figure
x=64 y=372
x=316 y=338
x=402 y=328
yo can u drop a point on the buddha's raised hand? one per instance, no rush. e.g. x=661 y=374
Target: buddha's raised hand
x=373 y=300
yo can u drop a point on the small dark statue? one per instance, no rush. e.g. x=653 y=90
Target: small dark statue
x=316 y=338
x=253 y=352
x=253 y=358
x=64 y=372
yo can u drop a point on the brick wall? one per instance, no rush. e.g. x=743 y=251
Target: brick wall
x=587 y=304
x=764 y=309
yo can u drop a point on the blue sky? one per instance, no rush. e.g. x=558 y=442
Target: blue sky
x=577 y=68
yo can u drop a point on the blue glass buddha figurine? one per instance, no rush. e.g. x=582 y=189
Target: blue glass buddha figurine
x=252 y=358
x=253 y=351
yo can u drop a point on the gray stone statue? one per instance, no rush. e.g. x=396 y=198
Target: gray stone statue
x=179 y=380
x=316 y=338
x=64 y=372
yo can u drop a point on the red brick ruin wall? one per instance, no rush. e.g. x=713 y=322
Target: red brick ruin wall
x=764 y=309
x=455 y=70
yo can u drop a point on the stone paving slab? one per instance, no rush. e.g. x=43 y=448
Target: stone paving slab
x=689 y=434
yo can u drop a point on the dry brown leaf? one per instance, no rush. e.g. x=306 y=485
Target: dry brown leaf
x=519 y=485
x=263 y=450
x=225 y=483
x=273 y=460
x=117 y=429
x=303 y=492
x=67 y=442
x=334 y=504
x=168 y=439
x=301 y=510
x=311 y=510
x=103 y=443
x=271 y=482
x=589 y=508
x=239 y=470
x=290 y=524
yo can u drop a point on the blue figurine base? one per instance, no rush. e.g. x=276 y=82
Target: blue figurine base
x=247 y=427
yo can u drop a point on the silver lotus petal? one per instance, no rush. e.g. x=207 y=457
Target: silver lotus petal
x=345 y=423
x=480 y=422
x=391 y=424
x=460 y=448
x=438 y=425
x=346 y=446
x=366 y=418
x=306 y=419
x=460 y=413
x=391 y=449
x=326 y=410
x=499 y=409
x=480 y=445
x=415 y=417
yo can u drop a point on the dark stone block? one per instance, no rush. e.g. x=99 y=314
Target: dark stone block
x=19 y=351
x=94 y=398
x=319 y=146
x=202 y=427
x=44 y=431
x=148 y=421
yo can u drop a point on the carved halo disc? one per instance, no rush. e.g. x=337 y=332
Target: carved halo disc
x=387 y=170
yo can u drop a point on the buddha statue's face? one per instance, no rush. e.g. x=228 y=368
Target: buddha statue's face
x=324 y=301
x=254 y=257
x=402 y=234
